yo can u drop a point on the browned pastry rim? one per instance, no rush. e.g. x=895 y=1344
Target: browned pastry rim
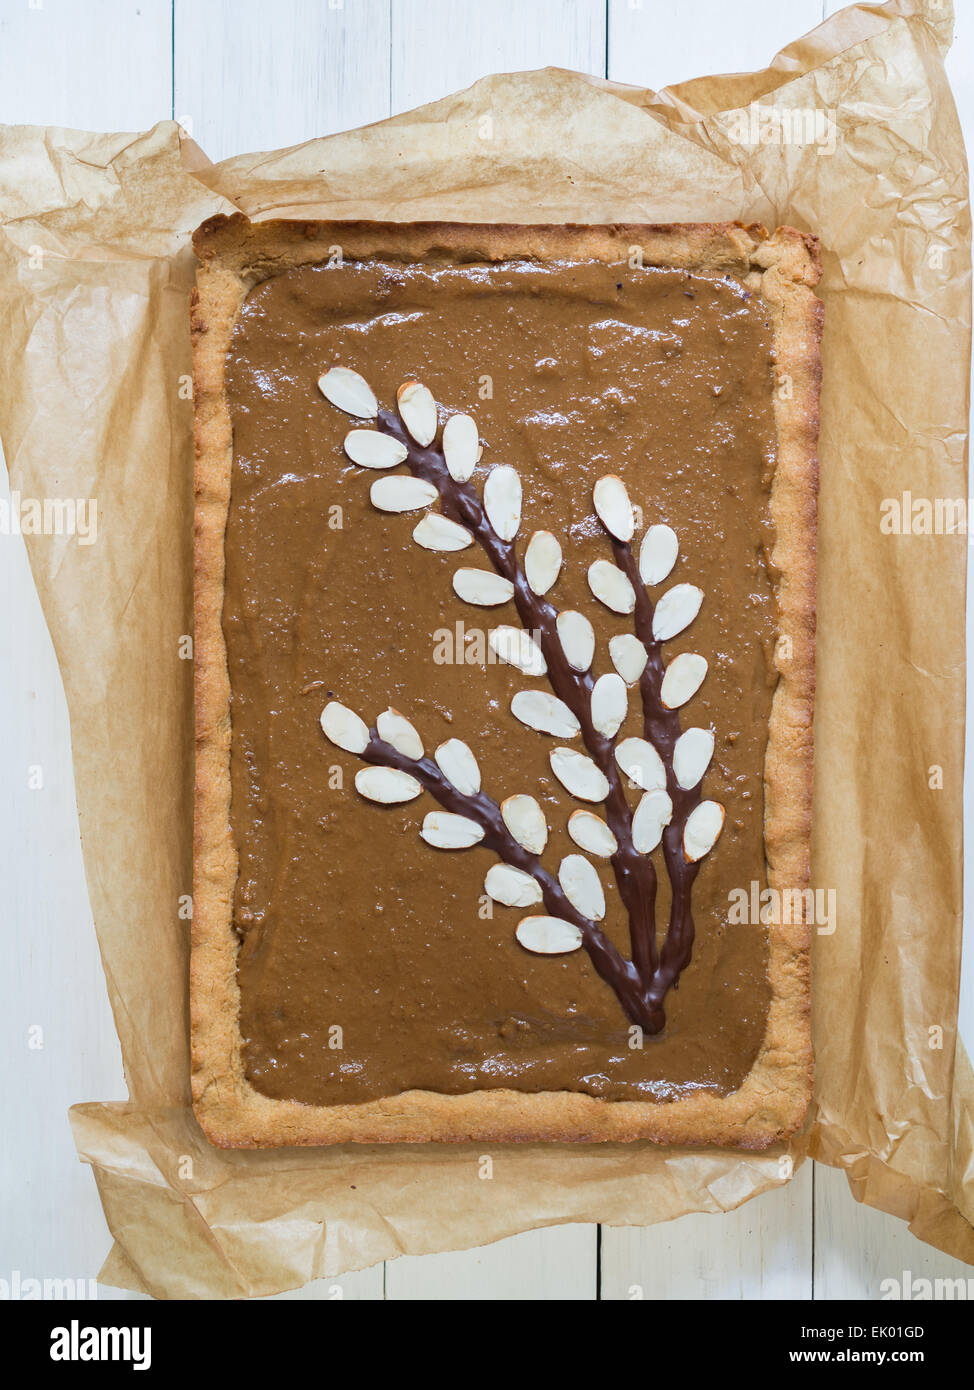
x=783 y=269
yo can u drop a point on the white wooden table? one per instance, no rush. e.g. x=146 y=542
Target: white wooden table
x=244 y=75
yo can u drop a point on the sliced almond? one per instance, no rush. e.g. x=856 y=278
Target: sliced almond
x=592 y=834
x=614 y=508
x=582 y=886
x=461 y=447
x=691 y=756
x=502 y=500
x=512 y=887
x=518 y=648
x=437 y=532
x=702 y=830
x=459 y=766
x=343 y=727
x=578 y=774
x=386 y=784
x=370 y=449
x=676 y=610
x=443 y=830
x=682 y=679
x=395 y=729
x=482 y=587
x=417 y=410
x=401 y=493
x=611 y=587
x=629 y=656
x=657 y=554
x=653 y=814
x=577 y=638
x=525 y=820
x=349 y=392
x=610 y=704
x=544 y=712
x=641 y=763
x=548 y=936
x=542 y=561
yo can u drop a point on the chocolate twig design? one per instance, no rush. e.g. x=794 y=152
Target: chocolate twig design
x=665 y=764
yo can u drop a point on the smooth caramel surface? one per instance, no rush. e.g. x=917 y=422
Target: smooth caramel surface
x=348 y=920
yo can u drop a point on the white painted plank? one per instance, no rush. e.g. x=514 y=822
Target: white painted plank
x=56 y=1033
x=439 y=46
x=761 y=1250
x=764 y=1249
x=252 y=77
x=557 y=1262
x=103 y=65
x=858 y=1248
x=656 y=43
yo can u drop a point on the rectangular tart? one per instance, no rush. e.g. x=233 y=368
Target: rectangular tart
x=504 y=681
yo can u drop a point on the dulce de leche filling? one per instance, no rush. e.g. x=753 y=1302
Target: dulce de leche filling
x=372 y=963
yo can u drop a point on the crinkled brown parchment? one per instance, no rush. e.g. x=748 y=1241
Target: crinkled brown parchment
x=95 y=270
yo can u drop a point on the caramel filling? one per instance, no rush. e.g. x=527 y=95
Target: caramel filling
x=371 y=963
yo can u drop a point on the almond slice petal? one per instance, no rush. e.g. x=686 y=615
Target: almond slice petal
x=628 y=656
x=417 y=410
x=578 y=774
x=676 y=610
x=435 y=531
x=370 y=449
x=512 y=887
x=577 y=638
x=641 y=763
x=652 y=815
x=582 y=886
x=542 y=561
x=682 y=679
x=610 y=704
x=544 y=712
x=502 y=500
x=461 y=447
x=349 y=392
x=592 y=834
x=702 y=830
x=443 y=830
x=396 y=730
x=482 y=587
x=518 y=648
x=692 y=753
x=525 y=820
x=657 y=554
x=388 y=785
x=401 y=493
x=459 y=766
x=548 y=936
x=614 y=508
x=611 y=587
x=342 y=726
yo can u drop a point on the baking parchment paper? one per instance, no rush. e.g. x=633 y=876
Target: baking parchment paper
x=851 y=133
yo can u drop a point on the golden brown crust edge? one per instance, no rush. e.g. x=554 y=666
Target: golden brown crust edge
x=236 y=254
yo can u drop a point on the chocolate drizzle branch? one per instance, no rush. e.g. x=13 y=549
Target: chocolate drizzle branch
x=666 y=764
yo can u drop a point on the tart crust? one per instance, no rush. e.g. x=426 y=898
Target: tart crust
x=235 y=255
